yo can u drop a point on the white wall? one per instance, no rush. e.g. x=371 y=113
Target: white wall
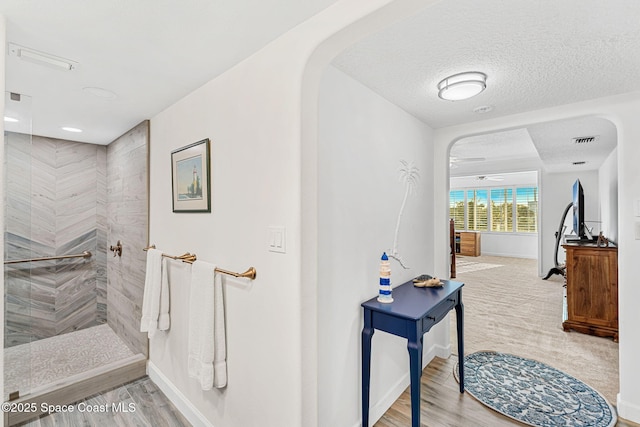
x=249 y=114
x=262 y=175
x=608 y=184
x=518 y=245
x=555 y=194
x=628 y=255
x=623 y=111
x=362 y=138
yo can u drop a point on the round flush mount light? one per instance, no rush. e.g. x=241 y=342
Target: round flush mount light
x=70 y=129
x=462 y=86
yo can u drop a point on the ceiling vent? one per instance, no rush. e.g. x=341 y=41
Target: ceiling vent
x=585 y=139
x=579 y=163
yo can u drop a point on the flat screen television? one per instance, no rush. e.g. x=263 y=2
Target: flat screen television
x=578 y=211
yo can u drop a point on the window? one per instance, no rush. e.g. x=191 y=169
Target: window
x=501 y=209
x=477 y=210
x=456 y=208
x=527 y=210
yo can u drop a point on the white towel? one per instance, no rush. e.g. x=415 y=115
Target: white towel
x=207 y=347
x=219 y=336
x=151 y=296
x=164 y=321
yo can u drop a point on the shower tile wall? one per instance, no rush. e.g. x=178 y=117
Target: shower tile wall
x=55 y=205
x=128 y=201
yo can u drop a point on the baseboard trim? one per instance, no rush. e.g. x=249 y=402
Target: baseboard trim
x=377 y=410
x=509 y=255
x=628 y=411
x=186 y=408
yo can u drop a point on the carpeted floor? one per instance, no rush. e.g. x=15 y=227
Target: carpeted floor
x=510 y=309
x=464 y=266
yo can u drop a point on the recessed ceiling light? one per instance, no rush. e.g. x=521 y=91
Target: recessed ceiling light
x=462 y=86
x=10 y=120
x=70 y=129
x=100 y=92
x=483 y=109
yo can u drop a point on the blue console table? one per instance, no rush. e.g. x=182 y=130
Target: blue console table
x=412 y=313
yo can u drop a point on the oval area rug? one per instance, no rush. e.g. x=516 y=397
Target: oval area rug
x=533 y=393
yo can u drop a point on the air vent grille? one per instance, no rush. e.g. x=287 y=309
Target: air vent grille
x=579 y=163
x=584 y=139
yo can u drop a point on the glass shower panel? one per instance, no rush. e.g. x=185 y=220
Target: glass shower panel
x=19 y=304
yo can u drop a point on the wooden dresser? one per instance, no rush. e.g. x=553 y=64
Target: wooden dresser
x=592 y=290
x=468 y=243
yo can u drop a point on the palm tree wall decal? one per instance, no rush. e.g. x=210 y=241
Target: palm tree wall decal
x=409 y=175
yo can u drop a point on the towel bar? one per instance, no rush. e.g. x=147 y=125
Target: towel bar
x=190 y=258
x=85 y=254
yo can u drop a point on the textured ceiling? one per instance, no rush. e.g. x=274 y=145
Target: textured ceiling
x=558 y=149
x=150 y=53
x=536 y=54
x=507 y=145
x=551 y=146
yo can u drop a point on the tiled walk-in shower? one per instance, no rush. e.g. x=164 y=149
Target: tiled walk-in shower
x=67 y=320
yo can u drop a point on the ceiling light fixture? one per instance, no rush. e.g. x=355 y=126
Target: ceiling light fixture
x=10 y=119
x=490 y=178
x=100 y=92
x=70 y=129
x=41 y=58
x=462 y=86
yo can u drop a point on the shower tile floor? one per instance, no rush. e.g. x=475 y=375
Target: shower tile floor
x=32 y=365
x=138 y=403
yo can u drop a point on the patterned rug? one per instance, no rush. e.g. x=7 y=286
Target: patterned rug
x=463 y=266
x=533 y=393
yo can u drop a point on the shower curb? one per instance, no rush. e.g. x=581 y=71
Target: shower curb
x=79 y=387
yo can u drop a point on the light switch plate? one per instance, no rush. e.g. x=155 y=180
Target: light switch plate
x=276 y=239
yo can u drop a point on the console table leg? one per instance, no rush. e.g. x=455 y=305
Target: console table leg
x=460 y=333
x=367 y=334
x=415 y=364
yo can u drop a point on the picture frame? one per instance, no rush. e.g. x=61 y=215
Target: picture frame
x=191 y=178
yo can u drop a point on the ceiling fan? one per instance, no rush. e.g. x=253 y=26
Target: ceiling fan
x=453 y=160
x=490 y=178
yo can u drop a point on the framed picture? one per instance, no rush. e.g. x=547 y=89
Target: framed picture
x=190 y=178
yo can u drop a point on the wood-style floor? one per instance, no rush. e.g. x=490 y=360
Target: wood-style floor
x=139 y=403
x=508 y=309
